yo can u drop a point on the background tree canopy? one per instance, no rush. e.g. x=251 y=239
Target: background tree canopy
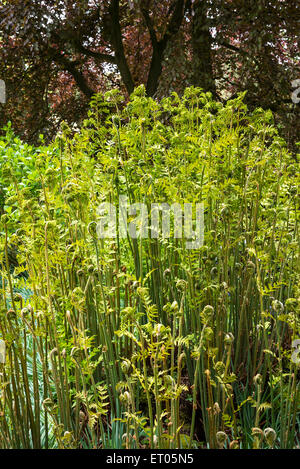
x=55 y=54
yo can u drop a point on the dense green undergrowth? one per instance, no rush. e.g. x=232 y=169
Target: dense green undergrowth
x=139 y=343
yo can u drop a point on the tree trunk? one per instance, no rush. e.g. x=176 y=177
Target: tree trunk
x=159 y=47
x=201 y=44
x=117 y=43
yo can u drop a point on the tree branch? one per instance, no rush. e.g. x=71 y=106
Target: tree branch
x=159 y=46
x=149 y=25
x=70 y=67
x=175 y=22
x=239 y=50
x=69 y=37
x=117 y=43
x=231 y=46
x=96 y=55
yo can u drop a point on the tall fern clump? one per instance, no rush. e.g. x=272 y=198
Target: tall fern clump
x=139 y=342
